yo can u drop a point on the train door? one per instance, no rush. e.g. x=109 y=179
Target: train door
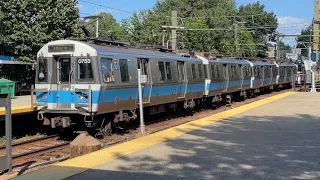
x=182 y=80
x=64 y=75
x=143 y=64
x=225 y=77
x=263 y=75
x=241 y=70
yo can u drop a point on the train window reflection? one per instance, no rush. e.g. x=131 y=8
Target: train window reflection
x=162 y=72
x=200 y=71
x=107 y=69
x=124 y=70
x=85 y=69
x=193 y=68
x=42 y=70
x=168 y=70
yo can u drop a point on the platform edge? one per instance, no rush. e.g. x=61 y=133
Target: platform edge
x=83 y=163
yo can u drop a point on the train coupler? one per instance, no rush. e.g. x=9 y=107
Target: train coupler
x=60 y=122
x=40 y=116
x=88 y=120
x=228 y=100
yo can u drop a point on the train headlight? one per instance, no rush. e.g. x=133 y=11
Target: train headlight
x=80 y=97
x=45 y=97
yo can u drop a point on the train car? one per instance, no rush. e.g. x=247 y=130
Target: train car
x=100 y=83
x=229 y=75
x=263 y=74
x=76 y=77
x=286 y=72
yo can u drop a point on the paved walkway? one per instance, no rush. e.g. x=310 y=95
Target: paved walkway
x=279 y=140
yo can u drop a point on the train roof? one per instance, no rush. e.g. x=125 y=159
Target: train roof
x=287 y=64
x=231 y=61
x=262 y=63
x=83 y=48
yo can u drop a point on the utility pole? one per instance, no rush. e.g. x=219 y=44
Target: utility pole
x=174 y=27
x=236 y=38
x=278 y=47
x=174 y=21
x=316 y=29
x=97 y=23
x=97 y=28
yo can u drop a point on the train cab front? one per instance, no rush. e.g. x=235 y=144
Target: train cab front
x=65 y=82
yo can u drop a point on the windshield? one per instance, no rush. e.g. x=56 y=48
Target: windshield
x=42 y=70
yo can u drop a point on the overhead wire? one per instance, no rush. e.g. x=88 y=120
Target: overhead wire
x=108 y=7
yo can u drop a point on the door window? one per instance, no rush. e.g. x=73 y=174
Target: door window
x=180 y=72
x=65 y=68
x=42 y=70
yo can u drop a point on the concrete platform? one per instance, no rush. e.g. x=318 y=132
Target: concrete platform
x=19 y=105
x=267 y=139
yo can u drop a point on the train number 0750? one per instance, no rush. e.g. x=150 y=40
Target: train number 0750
x=84 y=61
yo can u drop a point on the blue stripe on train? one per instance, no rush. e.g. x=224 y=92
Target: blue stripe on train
x=111 y=95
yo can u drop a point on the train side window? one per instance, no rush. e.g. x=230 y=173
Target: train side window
x=248 y=71
x=213 y=69
x=225 y=71
x=200 y=71
x=244 y=71
x=193 y=69
x=107 y=69
x=168 y=71
x=234 y=71
x=218 y=72
x=124 y=70
x=85 y=71
x=42 y=70
x=162 y=71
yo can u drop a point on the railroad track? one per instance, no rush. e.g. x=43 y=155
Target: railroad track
x=38 y=151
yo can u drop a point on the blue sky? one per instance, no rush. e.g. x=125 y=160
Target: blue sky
x=293 y=15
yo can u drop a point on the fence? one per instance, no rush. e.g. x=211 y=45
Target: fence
x=22 y=75
x=303 y=82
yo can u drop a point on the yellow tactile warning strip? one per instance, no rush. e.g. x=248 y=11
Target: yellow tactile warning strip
x=77 y=165
x=17 y=110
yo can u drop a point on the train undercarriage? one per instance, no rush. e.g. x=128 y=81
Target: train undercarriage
x=104 y=125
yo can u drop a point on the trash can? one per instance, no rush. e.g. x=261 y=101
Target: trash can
x=7 y=87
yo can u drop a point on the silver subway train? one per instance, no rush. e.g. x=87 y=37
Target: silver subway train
x=99 y=83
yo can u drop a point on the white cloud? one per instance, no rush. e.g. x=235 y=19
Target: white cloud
x=288 y=20
x=111 y=11
x=80 y=6
x=292 y=26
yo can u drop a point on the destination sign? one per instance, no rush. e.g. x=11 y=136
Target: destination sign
x=61 y=48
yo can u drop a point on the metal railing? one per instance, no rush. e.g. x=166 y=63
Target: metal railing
x=303 y=82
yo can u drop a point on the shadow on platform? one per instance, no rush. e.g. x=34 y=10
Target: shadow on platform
x=247 y=147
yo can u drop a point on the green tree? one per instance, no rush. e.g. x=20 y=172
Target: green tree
x=28 y=24
x=146 y=26
x=260 y=22
x=197 y=40
x=302 y=39
x=284 y=48
x=247 y=45
x=109 y=28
